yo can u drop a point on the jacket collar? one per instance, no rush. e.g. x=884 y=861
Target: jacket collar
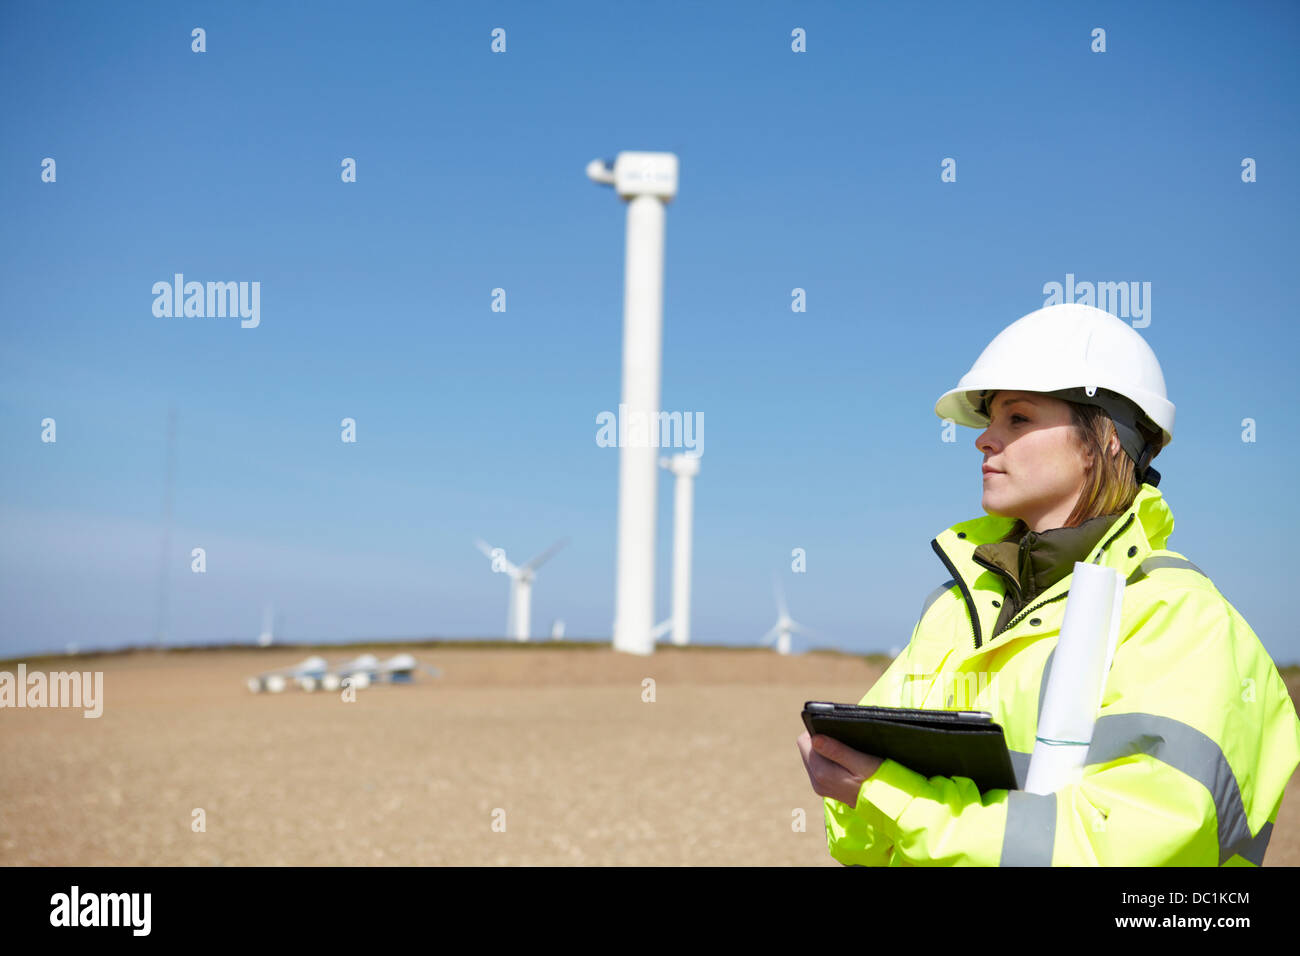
x=1038 y=559
x=1144 y=527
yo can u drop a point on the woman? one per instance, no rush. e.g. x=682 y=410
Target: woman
x=1197 y=735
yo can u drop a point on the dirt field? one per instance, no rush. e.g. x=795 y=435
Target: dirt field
x=558 y=739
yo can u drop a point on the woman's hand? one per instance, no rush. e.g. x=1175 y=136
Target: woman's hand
x=835 y=769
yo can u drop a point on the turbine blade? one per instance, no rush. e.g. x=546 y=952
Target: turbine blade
x=487 y=551
x=545 y=556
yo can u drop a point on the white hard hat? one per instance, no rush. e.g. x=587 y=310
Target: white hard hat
x=1081 y=354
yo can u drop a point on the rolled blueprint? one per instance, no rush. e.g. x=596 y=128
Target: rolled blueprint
x=1077 y=683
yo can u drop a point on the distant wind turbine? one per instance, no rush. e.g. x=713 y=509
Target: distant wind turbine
x=685 y=467
x=785 y=625
x=268 y=628
x=519 y=613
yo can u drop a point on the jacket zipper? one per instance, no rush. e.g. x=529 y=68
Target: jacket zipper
x=1021 y=616
x=1113 y=537
x=961 y=583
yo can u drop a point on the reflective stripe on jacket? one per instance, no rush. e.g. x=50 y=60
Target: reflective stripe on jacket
x=1192 y=749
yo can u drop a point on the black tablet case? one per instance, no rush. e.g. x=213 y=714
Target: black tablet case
x=934 y=743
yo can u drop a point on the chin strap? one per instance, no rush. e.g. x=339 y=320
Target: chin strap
x=1143 y=470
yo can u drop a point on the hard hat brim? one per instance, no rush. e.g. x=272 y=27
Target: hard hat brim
x=960 y=404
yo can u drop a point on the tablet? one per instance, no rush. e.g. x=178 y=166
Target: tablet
x=934 y=743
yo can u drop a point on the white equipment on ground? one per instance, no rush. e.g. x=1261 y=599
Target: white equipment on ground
x=307 y=675
x=316 y=674
x=359 y=672
x=400 y=669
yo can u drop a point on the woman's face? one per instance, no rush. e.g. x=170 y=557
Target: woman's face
x=1040 y=468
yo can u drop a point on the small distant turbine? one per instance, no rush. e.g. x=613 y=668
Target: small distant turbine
x=685 y=467
x=785 y=625
x=267 y=636
x=519 y=612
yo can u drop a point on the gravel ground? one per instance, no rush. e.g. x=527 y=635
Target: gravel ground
x=530 y=755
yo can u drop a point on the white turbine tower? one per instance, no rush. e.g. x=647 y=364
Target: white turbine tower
x=648 y=181
x=784 y=623
x=685 y=467
x=519 y=613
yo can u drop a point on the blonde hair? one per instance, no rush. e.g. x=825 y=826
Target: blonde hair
x=1110 y=484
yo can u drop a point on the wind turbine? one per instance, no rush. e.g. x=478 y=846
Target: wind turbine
x=648 y=181
x=685 y=467
x=519 y=614
x=268 y=628
x=784 y=623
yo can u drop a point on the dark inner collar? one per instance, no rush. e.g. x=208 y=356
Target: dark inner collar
x=1041 y=558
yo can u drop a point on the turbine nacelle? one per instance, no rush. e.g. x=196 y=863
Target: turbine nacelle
x=683 y=466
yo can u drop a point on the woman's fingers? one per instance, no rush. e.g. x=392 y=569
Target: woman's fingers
x=828 y=778
x=857 y=763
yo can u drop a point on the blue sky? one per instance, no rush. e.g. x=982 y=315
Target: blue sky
x=818 y=171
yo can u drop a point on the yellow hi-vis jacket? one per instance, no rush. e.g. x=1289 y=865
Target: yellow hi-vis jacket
x=1193 y=746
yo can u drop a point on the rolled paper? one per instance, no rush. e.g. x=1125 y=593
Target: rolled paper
x=1077 y=684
